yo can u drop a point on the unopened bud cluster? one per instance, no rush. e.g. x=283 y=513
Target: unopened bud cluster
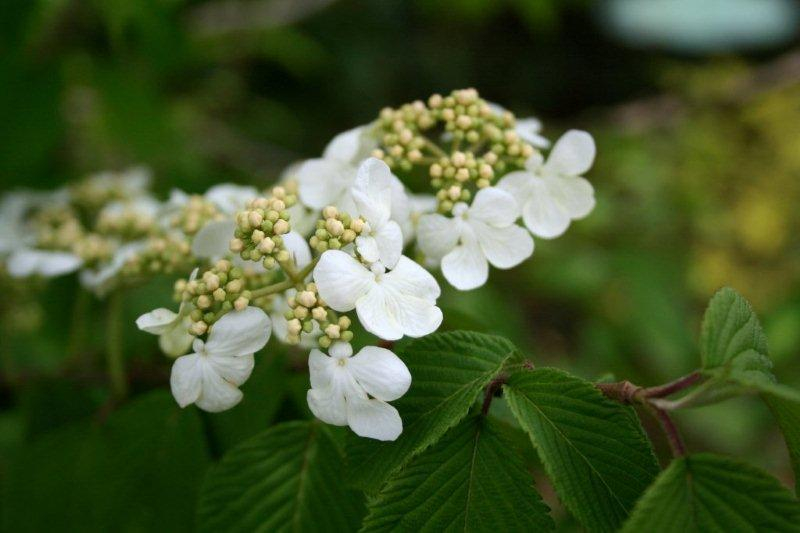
x=162 y=255
x=94 y=248
x=196 y=213
x=57 y=228
x=126 y=222
x=307 y=308
x=97 y=190
x=335 y=229
x=260 y=226
x=463 y=142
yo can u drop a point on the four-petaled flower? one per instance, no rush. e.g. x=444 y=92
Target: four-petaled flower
x=551 y=194
x=381 y=240
x=352 y=390
x=389 y=304
x=475 y=236
x=172 y=328
x=210 y=377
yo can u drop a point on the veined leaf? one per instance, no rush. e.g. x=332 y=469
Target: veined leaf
x=730 y=328
x=709 y=493
x=288 y=478
x=594 y=450
x=449 y=371
x=471 y=480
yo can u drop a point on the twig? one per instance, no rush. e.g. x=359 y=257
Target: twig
x=491 y=390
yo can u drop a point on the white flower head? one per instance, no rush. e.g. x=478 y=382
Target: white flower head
x=552 y=193
x=230 y=198
x=389 y=304
x=474 y=237
x=352 y=390
x=382 y=238
x=351 y=146
x=172 y=328
x=211 y=376
x=47 y=263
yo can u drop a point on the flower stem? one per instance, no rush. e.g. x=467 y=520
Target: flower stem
x=114 y=349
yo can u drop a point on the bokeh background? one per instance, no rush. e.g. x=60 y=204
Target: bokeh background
x=695 y=107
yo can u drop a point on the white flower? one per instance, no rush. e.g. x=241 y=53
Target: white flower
x=349 y=390
x=329 y=179
x=551 y=194
x=210 y=377
x=382 y=238
x=13 y=209
x=172 y=328
x=389 y=304
x=48 y=263
x=528 y=129
x=475 y=236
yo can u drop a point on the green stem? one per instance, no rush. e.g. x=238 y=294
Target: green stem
x=114 y=348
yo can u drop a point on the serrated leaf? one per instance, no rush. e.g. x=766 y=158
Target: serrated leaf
x=138 y=471
x=449 y=371
x=288 y=478
x=594 y=450
x=709 y=493
x=471 y=480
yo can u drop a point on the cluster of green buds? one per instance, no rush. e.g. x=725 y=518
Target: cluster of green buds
x=196 y=213
x=125 y=221
x=335 y=229
x=220 y=289
x=94 y=248
x=57 y=228
x=462 y=141
x=306 y=308
x=166 y=254
x=94 y=191
x=259 y=228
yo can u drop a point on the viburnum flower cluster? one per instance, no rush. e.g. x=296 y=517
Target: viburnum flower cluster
x=340 y=241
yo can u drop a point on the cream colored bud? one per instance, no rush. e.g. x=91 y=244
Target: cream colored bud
x=212 y=281
x=414 y=155
x=348 y=236
x=454 y=192
x=257 y=236
x=482 y=183
x=435 y=100
x=294 y=327
x=436 y=170
x=459 y=159
x=220 y=294
x=279 y=192
x=333 y=331
x=255 y=219
x=490 y=158
x=486 y=171
x=234 y=286
x=319 y=314
x=377 y=152
x=357 y=225
x=462 y=175
x=266 y=246
x=344 y=322
x=334 y=226
x=330 y=212
x=280 y=227
x=241 y=303
x=198 y=328
x=236 y=245
x=301 y=312
x=448 y=114
x=464 y=122
x=306 y=298
x=203 y=302
x=282 y=256
x=278 y=205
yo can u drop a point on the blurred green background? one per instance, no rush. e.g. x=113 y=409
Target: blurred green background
x=696 y=113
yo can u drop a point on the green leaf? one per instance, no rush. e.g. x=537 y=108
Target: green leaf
x=471 y=480
x=138 y=471
x=594 y=450
x=449 y=371
x=785 y=405
x=288 y=478
x=731 y=330
x=710 y=493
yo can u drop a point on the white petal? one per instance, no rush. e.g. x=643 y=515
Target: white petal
x=341 y=280
x=186 y=379
x=408 y=277
x=389 y=239
x=320 y=368
x=297 y=246
x=351 y=146
x=217 y=394
x=239 y=333
x=328 y=406
x=417 y=316
x=437 y=235
x=528 y=129
x=495 y=207
x=518 y=185
x=543 y=213
x=374 y=419
x=380 y=372
x=466 y=267
x=177 y=339
x=26 y=262
x=156 y=321
x=572 y=155
x=367 y=247
x=377 y=312
x=372 y=191
x=322 y=181
x=213 y=239
x=230 y=198
x=577 y=196
x=235 y=370
x=504 y=247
